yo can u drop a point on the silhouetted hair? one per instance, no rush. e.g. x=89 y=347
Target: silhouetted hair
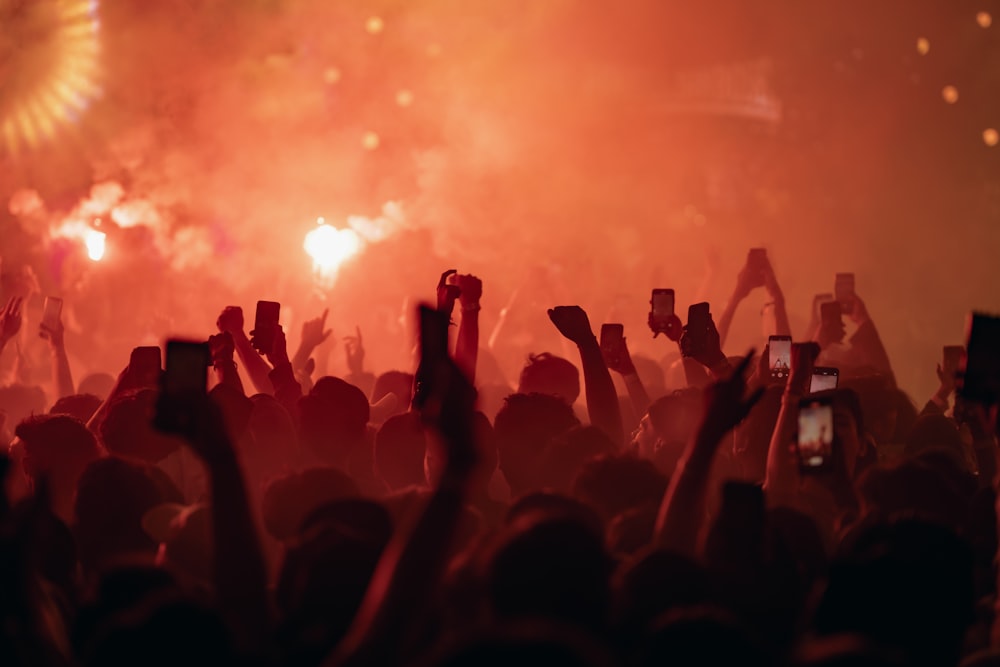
x=550 y=375
x=524 y=427
x=80 y=406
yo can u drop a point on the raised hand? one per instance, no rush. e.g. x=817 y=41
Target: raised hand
x=572 y=322
x=858 y=312
x=447 y=293
x=354 y=351
x=231 y=320
x=10 y=318
x=53 y=332
x=222 y=347
x=804 y=357
x=619 y=359
x=471 y=289
x=727 y=402
x=278 y=354
x=705 y=347
x=314 y=332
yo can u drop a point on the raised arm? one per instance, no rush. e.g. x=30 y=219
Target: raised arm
x=231 y=321
x=620 y=361
x=223 y=348
x=414 y=562
x=286 y=388
x=602 y=399
x=467 y=345
x=682 y=512
x=10 y=320
x=239 y=572
x=866 y=343
x=782 y=327
x=782 y=475
x=314 y=334
x=62 y=378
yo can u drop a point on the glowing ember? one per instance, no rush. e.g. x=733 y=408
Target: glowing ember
x=950 y=94
x=330 y=247
x=991 y=137
x=984 y=19
x=923 y=46
x=374 y=25
x=370 y=141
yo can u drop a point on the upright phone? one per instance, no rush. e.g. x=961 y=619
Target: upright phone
x=265 y=325
x=661 y=309
x=981 y=381
x=843 y=291
x=757 y=264
x=698 y=325
x=186 y=375
x=824 y=378
x=779 y=357
x=144 y=364
x=52 y=312
x=612 y=337
x=814 y=444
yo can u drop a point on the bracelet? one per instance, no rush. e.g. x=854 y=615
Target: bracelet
x=471 y=309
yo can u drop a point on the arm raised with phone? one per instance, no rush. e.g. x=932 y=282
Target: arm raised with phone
x=52 y=330
x=231 y=321
x=602 y=399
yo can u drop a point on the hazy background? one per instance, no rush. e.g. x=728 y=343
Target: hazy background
x=584 y=151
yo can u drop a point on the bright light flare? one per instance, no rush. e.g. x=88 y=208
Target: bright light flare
x=330 y=247
x=984 y=19
x=374 y=25
x=991 y=137
x=94 y=240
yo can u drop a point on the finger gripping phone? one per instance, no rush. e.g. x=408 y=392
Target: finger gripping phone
x=265 y=325
x=824 y=378
x=51 y=312
x=814 y=443
x=779 y=357
x=661 y=309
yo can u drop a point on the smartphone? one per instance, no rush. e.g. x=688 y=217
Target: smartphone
x=814 y=443
x=699 y=322
x=265 y=324
x=757 y=262
x=612 y=336
x=186 y=374
x=779 y=357
x=824 y=378
x=662 y=303
x=981 y=381
x=953 y=359
x=145 y=364
x=843 y=291
x=51 y=312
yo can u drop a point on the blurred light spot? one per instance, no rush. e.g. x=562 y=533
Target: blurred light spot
x=370 y=141
x=404 y=98
x=950 y=94
x=330 y=247
x=923 y=46
x=991 y=137
x=984 y=19
x=331 y=75
x=374 y=25
x=434 y=50
x=94 y=241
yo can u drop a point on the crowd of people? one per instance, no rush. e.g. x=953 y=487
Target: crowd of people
x=585 y=516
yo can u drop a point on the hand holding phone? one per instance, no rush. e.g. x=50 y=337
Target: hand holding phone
x=814 y=442
x=757 y=265
x=779 y=357
x=824 y=378
x=265 y=327
x=613 y=347
x=51 y=327
x=662 y=318
x=843 y=290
